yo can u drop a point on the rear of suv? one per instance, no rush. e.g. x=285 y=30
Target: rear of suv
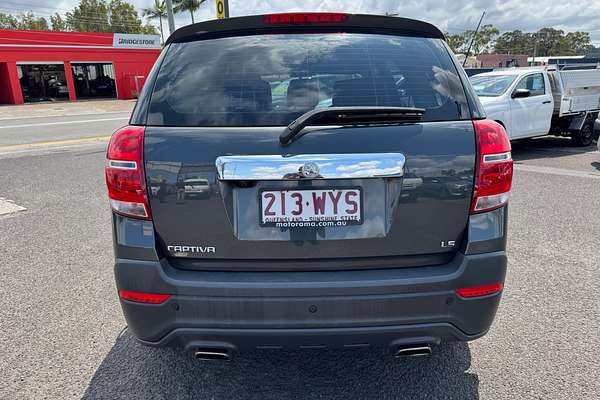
x=352 y=192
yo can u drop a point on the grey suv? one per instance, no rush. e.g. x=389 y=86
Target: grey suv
x=354 y=193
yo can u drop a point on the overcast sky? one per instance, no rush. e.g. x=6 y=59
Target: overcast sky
x=453 y=16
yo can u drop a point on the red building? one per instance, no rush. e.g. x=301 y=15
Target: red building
x=502 y=60
x=44 y=65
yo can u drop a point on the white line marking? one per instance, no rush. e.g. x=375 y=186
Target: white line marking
x=557 y=171
x=53 y=143
x=85 y=121
x=9 y=207
x=50 y=115
x=579 y=150
x=52 y=150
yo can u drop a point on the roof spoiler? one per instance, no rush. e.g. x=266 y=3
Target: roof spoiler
x=305 y=22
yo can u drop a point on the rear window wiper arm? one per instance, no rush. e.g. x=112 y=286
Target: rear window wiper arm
x=354 y=115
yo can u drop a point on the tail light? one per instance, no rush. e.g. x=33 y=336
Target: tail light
x=479 y=291
x=304 y=18
x=125 y=173
x=494 y=169
x=147 y=298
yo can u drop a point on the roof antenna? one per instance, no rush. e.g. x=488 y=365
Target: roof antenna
x=473 y=39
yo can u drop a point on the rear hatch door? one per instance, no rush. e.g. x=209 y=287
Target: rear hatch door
x=341 y=191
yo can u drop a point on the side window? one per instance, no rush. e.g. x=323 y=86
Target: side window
x=534 y=83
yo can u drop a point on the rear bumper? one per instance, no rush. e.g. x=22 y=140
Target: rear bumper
x=246 y=310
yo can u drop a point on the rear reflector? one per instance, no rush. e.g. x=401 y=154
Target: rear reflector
x=494 y=169
x=479 y=291
x=125 y=173
x=128 y=208
x=304 y=18
x=148 y=298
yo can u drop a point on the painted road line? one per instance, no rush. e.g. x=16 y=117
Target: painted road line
x=85 y=121
x=53 y=143
x=50 y=115
x=9 y=207
x=557 y=171
x=578 y=150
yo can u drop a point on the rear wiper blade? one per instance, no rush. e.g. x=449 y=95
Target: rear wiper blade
x=350 y=116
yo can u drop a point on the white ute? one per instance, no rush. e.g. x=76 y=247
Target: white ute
x=561 y=100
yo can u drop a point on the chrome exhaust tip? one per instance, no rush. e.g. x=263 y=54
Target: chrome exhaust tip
x=413 y=351
x=212 y=354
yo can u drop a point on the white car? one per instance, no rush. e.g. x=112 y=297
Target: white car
x=521 y=101
x=196 y=186
x=529 y=102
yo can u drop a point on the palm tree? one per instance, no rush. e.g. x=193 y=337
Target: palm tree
x=187 y=5
x=157 y=11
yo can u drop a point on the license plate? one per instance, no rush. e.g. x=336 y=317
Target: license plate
x=311 y=208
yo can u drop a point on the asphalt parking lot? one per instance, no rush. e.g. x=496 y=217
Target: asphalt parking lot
x=63 y=335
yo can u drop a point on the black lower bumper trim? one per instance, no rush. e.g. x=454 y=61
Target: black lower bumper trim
x=315 y=338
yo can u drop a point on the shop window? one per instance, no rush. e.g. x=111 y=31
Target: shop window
x=43 y=82
x=94 y=80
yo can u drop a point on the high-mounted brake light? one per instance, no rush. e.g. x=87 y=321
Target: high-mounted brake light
x=478 y=291
x=125 y=173
x=494 y=169
x=148 y=298
x=304 y=18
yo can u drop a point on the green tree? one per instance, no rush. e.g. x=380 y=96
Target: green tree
x=545 y=42
x=157 y=11
x=58 y=23
x=103 y=16
x=549 y=42
x=187 y=5
x=89 y=16
x=456 y=42
x=484 y=41
x=123 y=18
x=514 y=42
x=578 y=43
x=7 y=21
x=29 y=21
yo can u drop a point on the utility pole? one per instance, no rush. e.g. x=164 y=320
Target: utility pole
x=170 y=16
x=473 y=39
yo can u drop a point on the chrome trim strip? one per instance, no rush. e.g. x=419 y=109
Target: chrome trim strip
x=310 y=166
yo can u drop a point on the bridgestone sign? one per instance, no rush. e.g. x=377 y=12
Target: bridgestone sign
x=136 y=41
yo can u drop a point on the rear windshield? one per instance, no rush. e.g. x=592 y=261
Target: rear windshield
x=270 y=80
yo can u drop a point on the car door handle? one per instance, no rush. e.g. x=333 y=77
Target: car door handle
x=320 y=166
x=546 y=102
